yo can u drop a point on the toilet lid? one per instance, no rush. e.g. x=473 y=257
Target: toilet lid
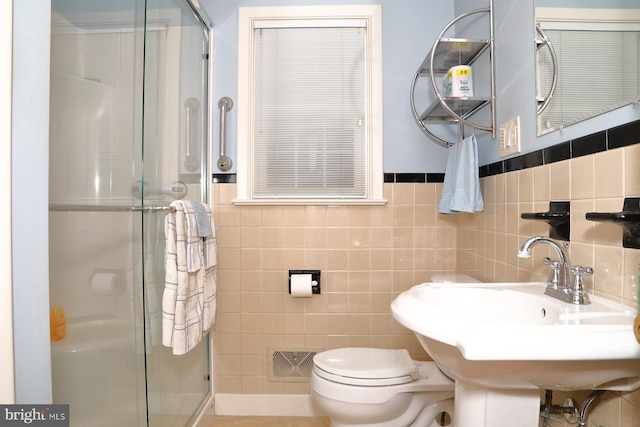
x=389 y=366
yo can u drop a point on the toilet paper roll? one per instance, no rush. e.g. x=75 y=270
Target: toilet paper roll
x=458 y=82
x=300 y=286
x=105 y=283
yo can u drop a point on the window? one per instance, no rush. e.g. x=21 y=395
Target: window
x=310 y=105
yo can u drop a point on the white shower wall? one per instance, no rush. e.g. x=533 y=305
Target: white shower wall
x=96 y=148
x=94 y=160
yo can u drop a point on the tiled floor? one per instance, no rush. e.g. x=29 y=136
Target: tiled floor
x=227 y=421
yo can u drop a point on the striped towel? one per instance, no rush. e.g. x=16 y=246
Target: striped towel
x=189 y=298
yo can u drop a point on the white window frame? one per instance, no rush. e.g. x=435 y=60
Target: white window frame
x=372 y=14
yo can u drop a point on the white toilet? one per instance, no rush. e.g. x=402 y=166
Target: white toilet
x=380 y=388
x=373 y=387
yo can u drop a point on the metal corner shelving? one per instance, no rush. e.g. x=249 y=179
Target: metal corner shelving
x=446 y=53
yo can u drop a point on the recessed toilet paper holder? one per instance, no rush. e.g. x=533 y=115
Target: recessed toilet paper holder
x=315 y=279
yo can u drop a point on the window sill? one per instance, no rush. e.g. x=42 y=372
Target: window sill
x=310 y=202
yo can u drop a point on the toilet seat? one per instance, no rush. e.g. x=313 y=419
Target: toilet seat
x=366 y=366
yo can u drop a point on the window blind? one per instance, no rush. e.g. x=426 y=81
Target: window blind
x=309 y=133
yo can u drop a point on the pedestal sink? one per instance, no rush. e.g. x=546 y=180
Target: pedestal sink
x=504 y=342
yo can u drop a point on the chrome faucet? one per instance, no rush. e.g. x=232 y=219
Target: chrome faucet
x=565 y=282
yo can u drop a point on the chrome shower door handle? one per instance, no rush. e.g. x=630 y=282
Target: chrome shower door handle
x=224 y=162
x=191 y=106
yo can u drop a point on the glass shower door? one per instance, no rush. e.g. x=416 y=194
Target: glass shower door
x=95 y=137
x=127 y=137
x=174 y=167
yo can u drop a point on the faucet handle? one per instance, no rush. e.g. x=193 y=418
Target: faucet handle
x=580 y=296
x=554 y=274
x=579 y=271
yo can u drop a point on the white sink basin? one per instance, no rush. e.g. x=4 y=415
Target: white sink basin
x=496 y=337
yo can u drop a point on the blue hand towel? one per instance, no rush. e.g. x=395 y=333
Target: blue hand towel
x=461 y=189
x=202 y=219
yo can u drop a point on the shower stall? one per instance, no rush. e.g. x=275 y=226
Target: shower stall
x=128 y=135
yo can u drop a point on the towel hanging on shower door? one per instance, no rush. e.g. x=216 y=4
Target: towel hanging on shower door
x=189 y=298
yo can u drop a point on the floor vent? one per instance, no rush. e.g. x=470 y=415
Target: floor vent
x=291 y=365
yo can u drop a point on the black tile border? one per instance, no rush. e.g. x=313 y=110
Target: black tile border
x=590 y=144
x=223 y=178
x=557 y=153
x=389 y=178
x=496 y=168
x=621 y=136
x=533 y=159
x=617 y=137
x=411 y=178
x=514 y=164
x=415 y=178
x=435 y=177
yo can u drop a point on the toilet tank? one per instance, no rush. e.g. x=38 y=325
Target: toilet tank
x=453 y=278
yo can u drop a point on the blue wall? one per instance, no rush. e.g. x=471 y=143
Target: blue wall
x=30 y=199
x=409 y=30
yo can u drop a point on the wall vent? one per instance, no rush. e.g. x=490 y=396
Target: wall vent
x=291 y=365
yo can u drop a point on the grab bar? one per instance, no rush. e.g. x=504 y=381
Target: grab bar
x=191 y=163
x=224 y=162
